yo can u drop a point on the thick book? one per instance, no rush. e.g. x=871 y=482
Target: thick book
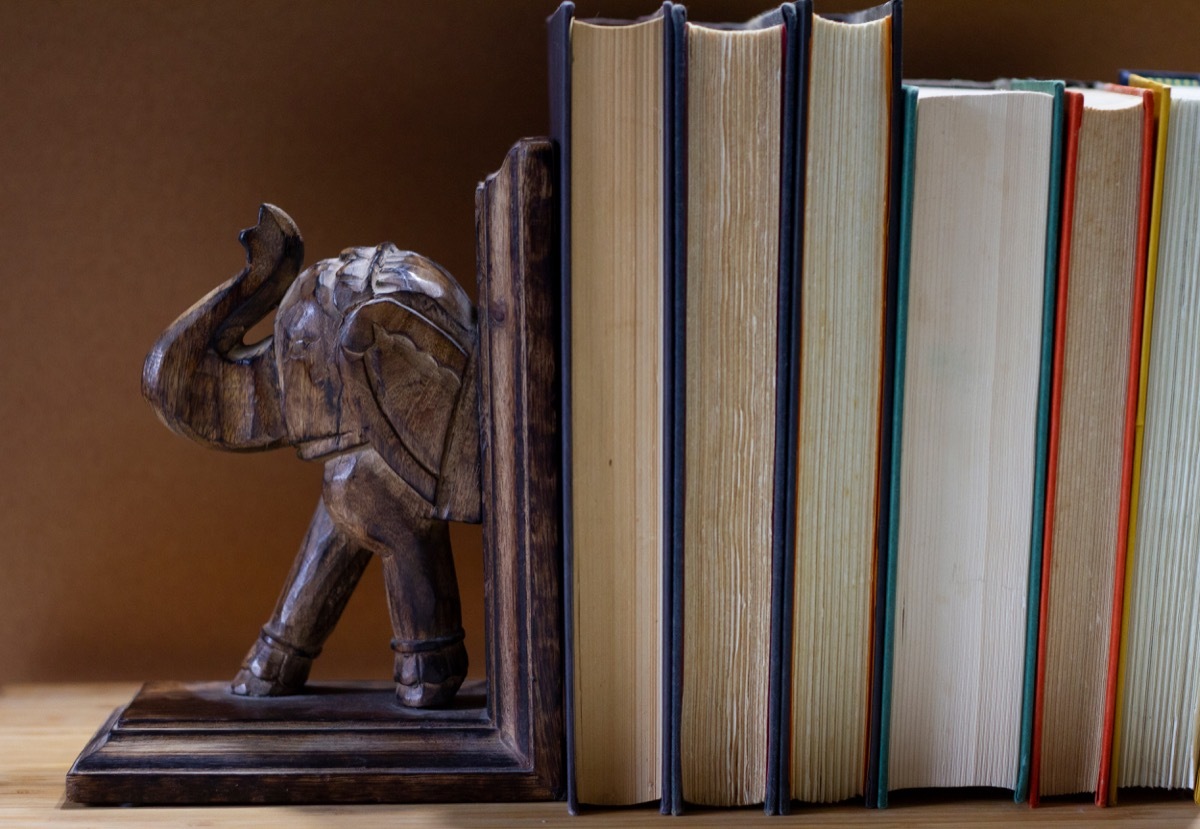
x=1108 y=171
x=1158 y=686
x=1040 y=446
x=612 y=117
x=1041 y=442
x=980 y=283
x=739 y=260
x=842 y=382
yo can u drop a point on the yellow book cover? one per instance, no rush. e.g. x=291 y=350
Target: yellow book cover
x=1162 y=112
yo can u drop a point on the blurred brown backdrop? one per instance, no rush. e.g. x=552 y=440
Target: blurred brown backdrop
x=137 y=139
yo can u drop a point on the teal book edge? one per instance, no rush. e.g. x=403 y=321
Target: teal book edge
x=1041 y=449
x=907 y=168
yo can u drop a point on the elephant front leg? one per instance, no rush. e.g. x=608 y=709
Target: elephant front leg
x=323 y=576
x=431 y=659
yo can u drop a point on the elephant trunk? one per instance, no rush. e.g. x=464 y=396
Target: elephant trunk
x=203 y=382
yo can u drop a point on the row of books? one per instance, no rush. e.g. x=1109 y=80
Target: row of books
x=881 y=436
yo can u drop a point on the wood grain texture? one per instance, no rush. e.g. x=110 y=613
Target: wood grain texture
x=200 y=744
x=371 y=369
x=202 y=380
x=522 y=548
x=41 y=727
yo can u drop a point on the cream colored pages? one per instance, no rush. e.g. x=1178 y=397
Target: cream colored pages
x=1162 y=675
x=1099 y=297
x=974 y=322
x=617 y=393
x=841 y=353
x=734 y=82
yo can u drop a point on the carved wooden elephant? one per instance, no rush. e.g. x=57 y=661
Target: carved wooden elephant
x=371 y=369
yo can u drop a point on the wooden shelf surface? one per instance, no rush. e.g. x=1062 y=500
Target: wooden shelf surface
x=43 y=728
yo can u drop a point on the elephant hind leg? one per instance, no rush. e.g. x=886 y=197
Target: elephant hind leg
x=323 y=576
x=372 y=504
x=431 y=658
x=429 y=672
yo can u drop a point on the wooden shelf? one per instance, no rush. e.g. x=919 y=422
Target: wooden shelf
x=43 y=727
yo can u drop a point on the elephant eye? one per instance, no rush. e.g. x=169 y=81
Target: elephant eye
x=298 y=346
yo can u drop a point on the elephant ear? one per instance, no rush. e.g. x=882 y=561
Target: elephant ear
x=414 y=388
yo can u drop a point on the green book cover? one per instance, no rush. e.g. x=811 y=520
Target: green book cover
x=908 y=108
x=1041 y=449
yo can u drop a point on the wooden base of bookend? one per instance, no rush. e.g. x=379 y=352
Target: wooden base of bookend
x=198 y=743
x=351 y=742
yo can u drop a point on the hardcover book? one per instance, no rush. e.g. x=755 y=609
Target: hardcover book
x=1108 y=172
x=980 y=281
x=1158 y=687
x=846 y=327
x=612 y=116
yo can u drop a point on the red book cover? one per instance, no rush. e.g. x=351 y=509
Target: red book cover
x=1074 y=111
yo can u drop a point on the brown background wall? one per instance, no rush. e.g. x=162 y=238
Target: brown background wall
x=138 y=137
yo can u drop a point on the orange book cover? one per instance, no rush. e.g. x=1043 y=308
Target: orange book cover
x=1131 y=423
x=1074 y=111
x=1160 y=97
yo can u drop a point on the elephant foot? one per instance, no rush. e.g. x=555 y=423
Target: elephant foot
x=271 y=669
x=429 y=671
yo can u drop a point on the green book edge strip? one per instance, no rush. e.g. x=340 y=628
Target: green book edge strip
x=1041 y=450
x=902 y=271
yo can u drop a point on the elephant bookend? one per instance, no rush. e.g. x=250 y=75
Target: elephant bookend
x=423 y=410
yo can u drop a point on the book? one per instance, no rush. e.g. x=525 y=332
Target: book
x=1159 y=692
x=1108 y=172
x=843 y=388
x=887 y=601
x=739 y=264
x=610 y=105
x=980 y=279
